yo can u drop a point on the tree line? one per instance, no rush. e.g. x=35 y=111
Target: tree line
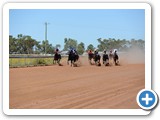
x=25 y=44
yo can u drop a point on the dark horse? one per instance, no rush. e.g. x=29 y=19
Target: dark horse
x=90 y=57
x=115 y=58
x=73 y=57
x=57 y=59
x=95 y=57
x=105 y=59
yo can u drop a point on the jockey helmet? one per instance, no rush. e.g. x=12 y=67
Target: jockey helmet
x=57 y=49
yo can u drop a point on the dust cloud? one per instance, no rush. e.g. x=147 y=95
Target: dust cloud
x=133 y=56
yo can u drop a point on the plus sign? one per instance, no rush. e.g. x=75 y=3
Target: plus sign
x=147 y=99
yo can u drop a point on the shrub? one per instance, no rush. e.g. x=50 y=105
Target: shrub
x=41 y=61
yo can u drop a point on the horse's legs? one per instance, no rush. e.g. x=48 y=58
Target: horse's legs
x=54 y=61
x=115 y=61
x=68 y=60
x=111 y=61
x=58 y=61
x=90 y=61
x=71 y=62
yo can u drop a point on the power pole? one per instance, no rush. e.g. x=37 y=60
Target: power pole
x=45 y=35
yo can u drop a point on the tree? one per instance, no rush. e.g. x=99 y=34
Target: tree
x=102 y=44
x=80 y=48
x=90 y=47
x=21 y=46
x=137 y=44
x=50 y=49
x=141 y=44
x=37 y=47
x=29 y=44
x=122 y=45
x=69 y=43
x=65 y=40
x=25 y=44
x=12 y=45
x=46 y=47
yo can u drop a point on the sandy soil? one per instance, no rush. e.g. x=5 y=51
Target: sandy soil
x=87 y=86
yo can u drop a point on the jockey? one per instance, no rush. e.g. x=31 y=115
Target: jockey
x=90 y=54
x=96 y=52
x=111 y=53
x=56 y=51
x=89 y=51
x=97 y=57
x=75 y=51
x=115 y=57
x=104 y=52
x=105 y=57
x=115 y=52
x=57 y=57
x=70 y=50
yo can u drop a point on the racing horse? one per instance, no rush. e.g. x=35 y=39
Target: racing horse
x=111 y=57
x=105 y=59
x=90 y=57
x=95 y=57
x=73 y=57
x=57 y=58
x=115 y=58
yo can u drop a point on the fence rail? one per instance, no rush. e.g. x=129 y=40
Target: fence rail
x=22 y=60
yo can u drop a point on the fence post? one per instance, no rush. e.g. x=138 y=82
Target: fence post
x=11 y=62
x=25 y=61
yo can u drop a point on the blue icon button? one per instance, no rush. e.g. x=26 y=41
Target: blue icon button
x=147 y=99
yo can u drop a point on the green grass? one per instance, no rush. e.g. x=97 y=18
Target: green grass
x=25 y=62
x=28 y=62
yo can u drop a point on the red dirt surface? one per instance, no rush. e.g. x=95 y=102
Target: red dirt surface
x=92 y=87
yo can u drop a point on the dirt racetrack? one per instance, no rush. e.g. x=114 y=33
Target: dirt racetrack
x=91 y=87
